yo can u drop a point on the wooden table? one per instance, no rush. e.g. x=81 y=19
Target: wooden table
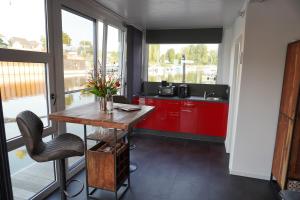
x=90 y=114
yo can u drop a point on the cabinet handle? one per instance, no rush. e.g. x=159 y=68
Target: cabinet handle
x=189 y=105
x=186 y=111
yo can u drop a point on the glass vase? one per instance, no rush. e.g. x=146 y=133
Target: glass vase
x=109 y=102
x=103 y=104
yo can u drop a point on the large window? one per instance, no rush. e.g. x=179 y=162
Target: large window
x=22 y=86
x=26 y=82
x=78 y=54
x=78 y=49
x=78 y=32
x=114 y=53
x=189 y=63
x=22 y=25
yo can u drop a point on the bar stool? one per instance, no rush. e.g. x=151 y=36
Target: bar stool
x=62 y=147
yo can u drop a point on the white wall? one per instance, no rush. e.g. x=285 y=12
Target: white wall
x=270 y=26
x=238 y=31
x=224 y=56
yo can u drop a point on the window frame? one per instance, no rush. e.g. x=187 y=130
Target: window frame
x=54 y=59
x=12 y=55
x=47 y=58
x=82 y=12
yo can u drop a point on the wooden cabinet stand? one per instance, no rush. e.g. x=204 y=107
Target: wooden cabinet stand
x=286 y=160
x=106 y=170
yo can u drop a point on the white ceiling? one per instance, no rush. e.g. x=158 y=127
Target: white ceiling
x=163 y=14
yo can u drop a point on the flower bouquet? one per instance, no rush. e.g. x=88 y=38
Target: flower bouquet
x=104 y=88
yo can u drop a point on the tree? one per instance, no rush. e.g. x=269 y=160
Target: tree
x=2 y=43
x=43 y=41
x=154 y=51
x=66 y=39
x=113 y=57
x=178 y=57
x=171 y=55
x=85 y=48
x=197 y=53
x=213 y=57
x=162 y=59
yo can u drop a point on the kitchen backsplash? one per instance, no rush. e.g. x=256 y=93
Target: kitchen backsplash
x=151 y=89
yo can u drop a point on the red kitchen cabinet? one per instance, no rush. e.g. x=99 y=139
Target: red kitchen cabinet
x=185 y=116
x=147 y=123
x=212 y=118
x=188 y=117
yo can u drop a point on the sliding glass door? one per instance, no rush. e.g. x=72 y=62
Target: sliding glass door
x=79 y=64
x=30 y=77
x=26 y=82
x=88 y=45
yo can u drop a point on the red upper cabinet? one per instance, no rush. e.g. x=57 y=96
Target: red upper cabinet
x=185 y=116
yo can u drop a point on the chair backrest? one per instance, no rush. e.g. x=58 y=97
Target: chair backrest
x=31 y=128
x=120 y=99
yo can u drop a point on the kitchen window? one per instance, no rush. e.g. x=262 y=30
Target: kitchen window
x=183 y=63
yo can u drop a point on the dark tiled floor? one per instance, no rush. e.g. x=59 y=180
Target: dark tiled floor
x=173 y=169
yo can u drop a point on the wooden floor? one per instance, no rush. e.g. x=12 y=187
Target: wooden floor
x=172 y=169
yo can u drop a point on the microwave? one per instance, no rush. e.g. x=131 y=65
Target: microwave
x=167 y=91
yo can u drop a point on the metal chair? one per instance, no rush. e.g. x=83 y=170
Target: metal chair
x=62 y=147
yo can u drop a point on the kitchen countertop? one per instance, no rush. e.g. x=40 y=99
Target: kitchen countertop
x=190 y=98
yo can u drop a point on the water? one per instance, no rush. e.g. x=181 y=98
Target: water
x=174 y=74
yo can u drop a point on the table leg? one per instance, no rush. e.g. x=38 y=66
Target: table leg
x=115 y=165
x=86 y=170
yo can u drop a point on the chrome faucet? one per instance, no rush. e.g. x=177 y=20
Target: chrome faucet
x=209 y=94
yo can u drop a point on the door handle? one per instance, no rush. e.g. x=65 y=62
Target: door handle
x=53 y=97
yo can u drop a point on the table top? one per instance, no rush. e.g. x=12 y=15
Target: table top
x=90 y=114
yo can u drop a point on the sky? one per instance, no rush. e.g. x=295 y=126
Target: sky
x=22 y=18
x=26 y=19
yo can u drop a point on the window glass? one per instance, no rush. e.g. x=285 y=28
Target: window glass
x=29 y=177
x=190 y=63
x=23 y=87
x=72 y=100
x=22 y=25
x=78 y=50
x=78 y=36
x=113 y=55
x=100 y=42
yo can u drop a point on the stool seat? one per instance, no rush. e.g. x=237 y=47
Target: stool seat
x=64 y=146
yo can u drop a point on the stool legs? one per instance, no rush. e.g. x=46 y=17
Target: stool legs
x=62 y=181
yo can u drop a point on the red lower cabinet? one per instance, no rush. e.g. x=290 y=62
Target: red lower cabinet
x=188 y=117
x=212 y=118
x=184 y=116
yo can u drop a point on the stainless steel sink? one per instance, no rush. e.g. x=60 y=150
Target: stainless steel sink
x=213 y=98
